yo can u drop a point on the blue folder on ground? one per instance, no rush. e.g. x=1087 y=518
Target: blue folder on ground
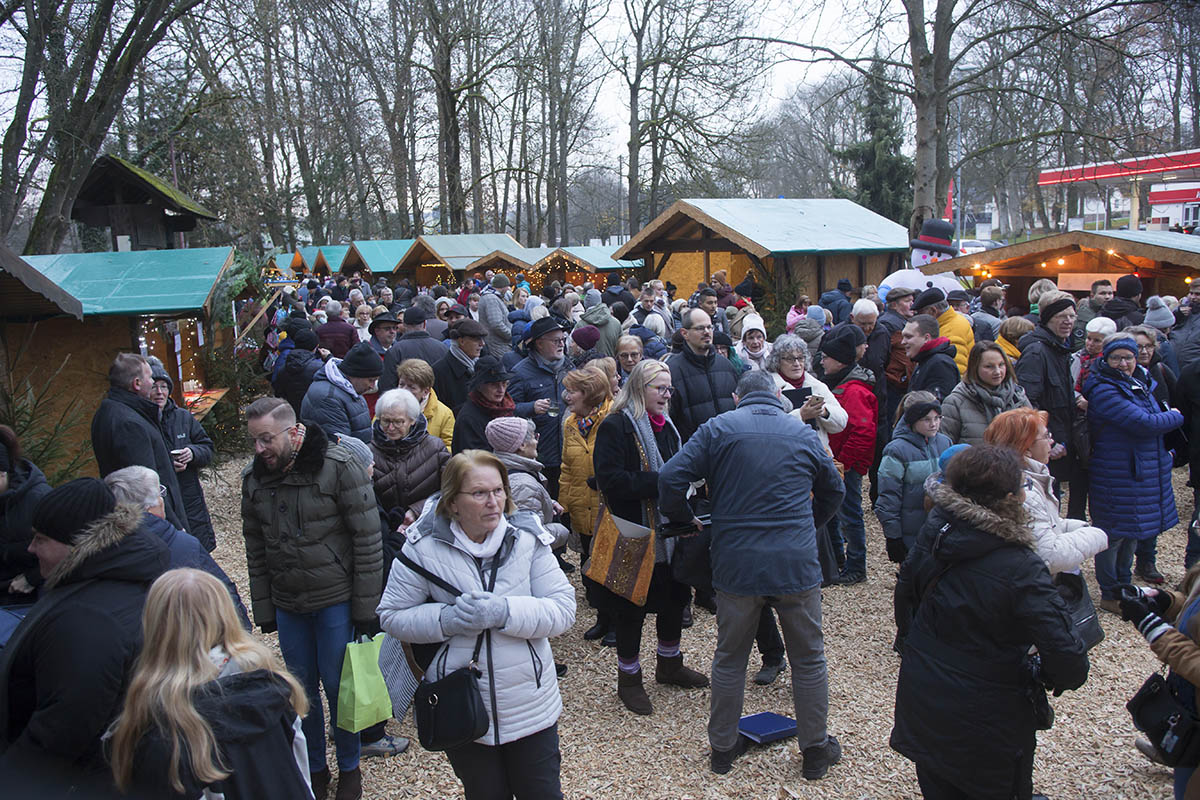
x=766 y=726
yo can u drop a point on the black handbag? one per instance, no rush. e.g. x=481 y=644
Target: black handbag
x=1169 y=726
x=449 y=712
x=1084 y=620
x=692 y=562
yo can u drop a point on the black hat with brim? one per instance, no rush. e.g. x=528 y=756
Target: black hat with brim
x=539 y=328
x=386 y=316
x=489 y=369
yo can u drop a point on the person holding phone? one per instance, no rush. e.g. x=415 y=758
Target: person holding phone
x=811 y=400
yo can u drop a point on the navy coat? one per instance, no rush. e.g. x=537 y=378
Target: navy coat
x=335 y=409
x=181 y=429
x=533 y=379
x=1131 y=493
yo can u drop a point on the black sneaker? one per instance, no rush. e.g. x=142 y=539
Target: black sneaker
x=818 y=760
x=687 y=616
x=769 y=673
x=851 y=578
x=721 y=761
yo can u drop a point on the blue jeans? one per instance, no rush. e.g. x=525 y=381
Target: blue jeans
x=848 y=525
x=313 y=647
x=1114 y=566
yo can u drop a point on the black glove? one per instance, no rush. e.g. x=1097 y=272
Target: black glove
x=366 y=627
x=591 y=483
x=896 y=550
x=268 y=627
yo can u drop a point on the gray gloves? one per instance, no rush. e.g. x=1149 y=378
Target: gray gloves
x=474 y=612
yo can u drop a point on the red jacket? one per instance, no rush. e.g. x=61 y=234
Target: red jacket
x=337 y=336
x=854 y=446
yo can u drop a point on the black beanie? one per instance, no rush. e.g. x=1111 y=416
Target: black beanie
x=840 y=344
x=361 y=362
x=1129 y=286
x=304 y=338
x=917 y=411
x=70 y=508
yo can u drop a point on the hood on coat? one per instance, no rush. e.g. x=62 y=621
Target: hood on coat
x=808 y=329
x=985 y=529
x=934 y=346
x=1119 y=307
x=311 y=455
x=516 y=463
x=598 y=315
x=114 y=547
x=244 y=705
x=22 y=479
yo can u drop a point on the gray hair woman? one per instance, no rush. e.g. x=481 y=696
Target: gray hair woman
x=811 y=399
x=408 y=462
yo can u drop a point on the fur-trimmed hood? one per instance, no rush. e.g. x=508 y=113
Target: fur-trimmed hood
x=981 y=529
x=311 y=455
x=114 y=547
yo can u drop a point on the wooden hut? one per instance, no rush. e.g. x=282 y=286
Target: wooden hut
x=789 y=244
x=378 y=257
x=70 y=315
x=578 y=265
x=137 y=206
x=1165 y=261
x=443 y=258
x=330 y=258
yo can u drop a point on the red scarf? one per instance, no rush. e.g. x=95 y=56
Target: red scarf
x=799 y=384
x=657 y=421
x=502 y=409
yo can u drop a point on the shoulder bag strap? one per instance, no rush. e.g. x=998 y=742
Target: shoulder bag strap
x=417 y=568
x=491 y=585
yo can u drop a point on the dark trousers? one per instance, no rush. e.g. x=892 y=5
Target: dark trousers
x=668 y=619
x=935 y=787
x=525 y=769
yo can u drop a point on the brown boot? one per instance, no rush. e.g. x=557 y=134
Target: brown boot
x=349 y=785
x=320 y=783
x=629 y=689
x=672 y=671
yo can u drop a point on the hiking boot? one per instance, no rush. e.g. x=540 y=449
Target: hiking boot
x=632 y=694
x=687 y=617
x=384 y=747
x=671 y=671
x=349 y=785
x=852 y=577
x=598 y=630
x=320 y=783
x=609 y=640
x=769 y=672
x=1150 y=574
x=818 y=759
x=721 y=761
x=1110 y=604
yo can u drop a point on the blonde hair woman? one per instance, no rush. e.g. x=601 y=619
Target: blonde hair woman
x=513 y=598
x=210 y=710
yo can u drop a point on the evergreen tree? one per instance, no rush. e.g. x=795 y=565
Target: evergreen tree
x=883 y=175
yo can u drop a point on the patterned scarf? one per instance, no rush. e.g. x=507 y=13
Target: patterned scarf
x=585 y=424
x=297 y=443
x=504 y=408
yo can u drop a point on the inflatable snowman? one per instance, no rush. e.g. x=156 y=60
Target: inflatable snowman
x=936 y=243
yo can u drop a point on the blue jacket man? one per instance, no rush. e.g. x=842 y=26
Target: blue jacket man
x=335 y=399
x=537 y=386
x=772 y=485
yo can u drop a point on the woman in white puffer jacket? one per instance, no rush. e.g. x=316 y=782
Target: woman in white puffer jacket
x=1063 y=544
x=462 y=532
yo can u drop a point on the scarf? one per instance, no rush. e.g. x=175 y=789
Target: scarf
x=296 y=445
x=504 y=408
x=458 y=353
x=643 y=429
x=556 y=367
x=585 y=424
x=1085 y=366
x=657 y=421
x=336 y=377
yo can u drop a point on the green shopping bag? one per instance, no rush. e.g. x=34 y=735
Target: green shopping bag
x=363 y=698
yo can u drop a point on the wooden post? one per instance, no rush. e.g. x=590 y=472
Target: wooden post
x=862 y=271
x=820 y=276
x=707 y=267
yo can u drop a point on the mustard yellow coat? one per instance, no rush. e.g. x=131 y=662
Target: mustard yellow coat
x=1008 y=347
x=582 y=503
x=440 y=420
x=957 y=328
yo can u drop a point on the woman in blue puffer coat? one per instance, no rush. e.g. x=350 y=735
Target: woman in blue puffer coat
x=1131 y=493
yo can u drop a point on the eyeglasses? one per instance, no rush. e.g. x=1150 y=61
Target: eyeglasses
x=557 y=340
x=1146 y=348
x=393 y=423
x=792 y=359
x=1122 y=359
x=483 y=494
x=265 y=439
x=701 y=328
x=665 y=391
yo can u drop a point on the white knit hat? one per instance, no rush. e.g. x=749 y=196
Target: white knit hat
x=753 y=322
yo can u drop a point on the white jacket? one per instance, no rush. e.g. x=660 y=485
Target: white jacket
x=1063 y=544
x=519 y=681
x=837 y=419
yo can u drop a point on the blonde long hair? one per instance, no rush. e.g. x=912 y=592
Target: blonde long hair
x=633 y=393
x=188 y=612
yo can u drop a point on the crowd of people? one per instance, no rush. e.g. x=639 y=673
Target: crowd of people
x=431 y=461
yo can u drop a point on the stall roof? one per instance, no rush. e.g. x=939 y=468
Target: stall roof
x=332 y=256
x=522 y=258
x=591 y=258
x=460 y=250
x=140 y=282
x=1171 y=252
x=109 y=171
x=380 y=256
x=30 y=292
x=767 y=226
x=305 y=258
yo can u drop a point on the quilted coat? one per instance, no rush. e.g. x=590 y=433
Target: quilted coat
x=957 y=328
x=1131 y=493
x=312 y=534
x=854 y=445
x=519 y=684
x=439 y=419
x=1063 y=544
x=704 y=386
x=332 y=403
x=582 y=503
x=908 y=459
x=407 y=471
x=971 y=407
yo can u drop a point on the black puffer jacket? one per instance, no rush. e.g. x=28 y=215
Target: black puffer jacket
x=181 y=430
x=407 y=472
x=971 y=599
x=1044 y=372
x=704 y=387
x=1124 y=312
x=312 y=533
x=63 y=676
x=413 y=344
x=936 y=371
x=26 y=486
x=253 y=721
x=299 y=369
x=126 y=432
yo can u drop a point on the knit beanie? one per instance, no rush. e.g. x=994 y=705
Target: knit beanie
x=1129 y=286
x=506 y=434
x=361 y=362
x=590 y=298
x=745 y=288
x=500 y=281
x=68 y=509
x=1121 y=344
x=839 y=344
x=949 y=453
x=753 y=322
x=358 y=448
x=1158 y=315
x=917 y=411
x=158 y=372
x=844 y=285
x=305 y=339
x=586 y=336
x=817 y=313
x=1047 y=311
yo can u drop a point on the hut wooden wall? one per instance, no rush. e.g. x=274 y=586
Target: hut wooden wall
x=686 y=270
x=91 y=344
